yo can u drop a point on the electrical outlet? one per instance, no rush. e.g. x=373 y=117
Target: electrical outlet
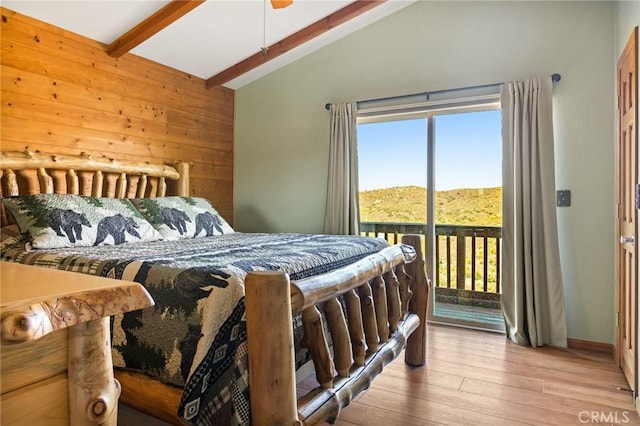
x=563 y=198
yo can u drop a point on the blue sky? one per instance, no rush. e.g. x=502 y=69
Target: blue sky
x=468 y=152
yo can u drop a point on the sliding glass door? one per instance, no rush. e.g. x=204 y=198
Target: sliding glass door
x=467 y=200
x=446 y=185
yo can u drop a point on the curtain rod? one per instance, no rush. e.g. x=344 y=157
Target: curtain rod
x=554 y=78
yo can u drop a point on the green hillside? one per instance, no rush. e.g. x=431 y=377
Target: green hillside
x=476 y=206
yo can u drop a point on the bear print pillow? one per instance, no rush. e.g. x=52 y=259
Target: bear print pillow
x=182 y=217
x=62 y=220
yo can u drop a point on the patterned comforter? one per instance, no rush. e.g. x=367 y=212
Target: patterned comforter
x=195 y=336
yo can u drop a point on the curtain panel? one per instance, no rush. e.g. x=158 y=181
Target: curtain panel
x=342 y=215
x=532 y=295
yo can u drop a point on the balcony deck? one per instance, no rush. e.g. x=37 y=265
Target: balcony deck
x=467 y=264
x=456 y=312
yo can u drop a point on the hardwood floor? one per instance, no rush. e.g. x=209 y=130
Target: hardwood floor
x=481 y=378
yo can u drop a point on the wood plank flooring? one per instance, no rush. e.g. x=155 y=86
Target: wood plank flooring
x=482 y=378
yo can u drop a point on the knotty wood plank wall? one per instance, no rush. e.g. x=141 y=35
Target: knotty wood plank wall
x=62 y=93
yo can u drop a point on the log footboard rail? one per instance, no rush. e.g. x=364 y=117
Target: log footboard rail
x=386 y=305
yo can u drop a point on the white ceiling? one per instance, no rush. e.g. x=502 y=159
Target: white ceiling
x=210 y=38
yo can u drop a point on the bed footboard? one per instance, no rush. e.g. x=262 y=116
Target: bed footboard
x=385 y=305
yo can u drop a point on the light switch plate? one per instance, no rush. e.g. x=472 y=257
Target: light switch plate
x=563 y=198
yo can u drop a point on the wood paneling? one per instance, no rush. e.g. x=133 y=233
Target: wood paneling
x=63 y=93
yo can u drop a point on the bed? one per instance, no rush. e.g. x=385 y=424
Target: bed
x=348 y=305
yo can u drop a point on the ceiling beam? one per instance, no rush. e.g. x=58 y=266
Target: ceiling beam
x=150 y=26
x=319 y=27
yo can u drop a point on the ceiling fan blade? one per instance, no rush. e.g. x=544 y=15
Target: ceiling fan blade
x=279 y=4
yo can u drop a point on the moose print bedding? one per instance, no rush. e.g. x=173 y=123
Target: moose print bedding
x=195 y=336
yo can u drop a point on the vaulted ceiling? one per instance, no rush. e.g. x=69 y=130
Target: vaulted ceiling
x=220 y=41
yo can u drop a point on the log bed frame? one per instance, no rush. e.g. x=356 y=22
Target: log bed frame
x=386 y=301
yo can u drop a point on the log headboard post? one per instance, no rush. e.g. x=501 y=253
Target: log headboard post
x=37 y=173
x=182 y=185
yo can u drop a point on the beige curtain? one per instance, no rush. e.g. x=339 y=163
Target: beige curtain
x=342 y=214
x=532 y=294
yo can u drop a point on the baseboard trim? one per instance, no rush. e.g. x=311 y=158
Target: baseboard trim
x=591 y=346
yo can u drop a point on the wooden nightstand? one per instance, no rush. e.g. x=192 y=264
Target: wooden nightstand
x=55 y=365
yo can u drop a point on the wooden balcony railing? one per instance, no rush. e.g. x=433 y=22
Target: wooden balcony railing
x=467 y=257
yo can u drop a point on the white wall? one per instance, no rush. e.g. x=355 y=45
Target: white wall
x=282 y=127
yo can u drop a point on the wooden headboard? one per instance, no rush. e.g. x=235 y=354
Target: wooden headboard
x=24 y=173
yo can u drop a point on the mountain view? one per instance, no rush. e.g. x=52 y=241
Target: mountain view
x=475 y=206
x=465 y=206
